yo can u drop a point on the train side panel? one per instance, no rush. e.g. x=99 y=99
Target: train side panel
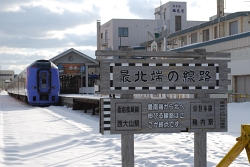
x=31 y=85
x=22 y=87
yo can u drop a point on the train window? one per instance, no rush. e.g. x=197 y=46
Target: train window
x=44 y=80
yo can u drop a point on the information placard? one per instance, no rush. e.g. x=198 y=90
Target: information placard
x=131 y=116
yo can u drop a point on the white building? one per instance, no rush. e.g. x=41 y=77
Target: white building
x=5 y=77
x=174 y=16
x=122 y=33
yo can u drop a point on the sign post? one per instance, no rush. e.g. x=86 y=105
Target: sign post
x=163 y=73
x=127 y=143
x=200 y=138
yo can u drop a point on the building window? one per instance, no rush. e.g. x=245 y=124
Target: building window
x=177 y=23
x=106 y=35
x=194 y=38
x=205 y=35
x=123 y=32
x=173 y=43
x=233 y=28
x=215 y=32
x=183 y=40
x=123 y=47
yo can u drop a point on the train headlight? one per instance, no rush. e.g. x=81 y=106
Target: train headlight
x=53 y=87
x=33 y=87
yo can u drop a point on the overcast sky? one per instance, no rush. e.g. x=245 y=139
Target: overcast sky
x=42 y=29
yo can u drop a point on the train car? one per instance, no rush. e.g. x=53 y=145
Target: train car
x=38 y=84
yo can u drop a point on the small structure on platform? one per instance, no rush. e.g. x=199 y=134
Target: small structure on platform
x=77 y=72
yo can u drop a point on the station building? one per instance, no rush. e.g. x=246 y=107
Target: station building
x=77 y=72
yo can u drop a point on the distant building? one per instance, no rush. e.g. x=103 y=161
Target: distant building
x=117 y=34
x=234 y=38
x=233 y=24
x=5 y=77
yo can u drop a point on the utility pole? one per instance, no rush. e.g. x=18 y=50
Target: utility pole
x=220 y=13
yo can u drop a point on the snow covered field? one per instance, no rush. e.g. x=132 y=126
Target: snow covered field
x=58 y=136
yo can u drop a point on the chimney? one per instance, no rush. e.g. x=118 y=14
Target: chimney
x=220 y=8
x=220 y=13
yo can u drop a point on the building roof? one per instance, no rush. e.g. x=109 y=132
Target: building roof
x=203 y=25
x=206 y=24
x=75 y=51
x=212 y=42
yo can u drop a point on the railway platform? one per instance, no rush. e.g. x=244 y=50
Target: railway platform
x=81 y=102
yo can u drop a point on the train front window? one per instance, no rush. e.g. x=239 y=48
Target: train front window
x=44 y=80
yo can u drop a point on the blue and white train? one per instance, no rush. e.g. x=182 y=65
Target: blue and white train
x=38 y=84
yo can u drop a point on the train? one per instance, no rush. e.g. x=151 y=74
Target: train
x=38 y=84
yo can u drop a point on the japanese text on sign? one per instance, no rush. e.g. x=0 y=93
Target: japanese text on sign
x=177 y=9
x=158 y=119
x=132 y=120
x=202 y=115
x=157 y=76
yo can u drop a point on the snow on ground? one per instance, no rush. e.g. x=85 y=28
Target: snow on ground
x=58 y=136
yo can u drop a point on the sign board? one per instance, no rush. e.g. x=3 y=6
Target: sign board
x=157 y=76
x=70 y=69
x=133 y=116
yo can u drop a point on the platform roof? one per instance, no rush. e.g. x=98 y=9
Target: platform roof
x=75 y=51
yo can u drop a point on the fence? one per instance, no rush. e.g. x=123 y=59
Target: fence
x=238 y=97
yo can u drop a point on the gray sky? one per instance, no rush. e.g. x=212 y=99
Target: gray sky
x=42 y=29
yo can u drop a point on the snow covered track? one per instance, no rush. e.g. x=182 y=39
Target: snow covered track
x=51 y=136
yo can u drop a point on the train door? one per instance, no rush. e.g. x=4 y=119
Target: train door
x=44 y=81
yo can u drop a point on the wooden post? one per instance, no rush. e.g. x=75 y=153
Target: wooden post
x=127 y=143
x=200 y=138
x=200 y=144
x=85 y=107
x=93 y=109
x=127 y=146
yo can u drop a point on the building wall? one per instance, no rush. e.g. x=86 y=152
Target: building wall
x=138 y=27
x=243 y=26
x=169 y=10
x=137 y=32
x=193 y=23
x=7 y=74
x=5 y=77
